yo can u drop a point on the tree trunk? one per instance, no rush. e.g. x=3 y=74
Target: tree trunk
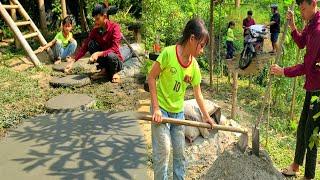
x=211 y=42
x=64 y=9
x=238 y=3
x=42 y=13
x=83 y=19
x=234 y=94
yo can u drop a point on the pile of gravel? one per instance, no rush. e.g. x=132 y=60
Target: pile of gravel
x=232 y=164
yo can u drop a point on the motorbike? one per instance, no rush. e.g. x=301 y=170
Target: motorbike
x=253 y=44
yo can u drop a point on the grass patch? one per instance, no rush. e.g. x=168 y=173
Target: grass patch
x=21 y=97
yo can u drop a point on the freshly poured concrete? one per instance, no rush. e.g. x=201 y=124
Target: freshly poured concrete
x=75 y=145
x=70 y=102
x=60 y=67
x=70 y=81
x=81 y=63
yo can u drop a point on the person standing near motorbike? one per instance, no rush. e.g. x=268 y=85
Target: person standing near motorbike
x=247 y=22
x=230 y=39
x=274 y=26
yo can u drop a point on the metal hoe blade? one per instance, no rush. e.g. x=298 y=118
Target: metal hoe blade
x=255 y=141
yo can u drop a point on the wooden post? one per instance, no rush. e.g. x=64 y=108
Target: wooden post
x=42 y=12
x=268 y=116
x=83 y=19
x=234 y=94
x=294 y=90
x=137 y=35
x=238 y=2
x=64 y=9
x=13 y=12
x=14 y=17
x=20 y=37
x=211 y=44
x=293 y=99
x=295 y=84
x=219 y=50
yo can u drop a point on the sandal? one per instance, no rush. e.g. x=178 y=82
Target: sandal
x=289 y=172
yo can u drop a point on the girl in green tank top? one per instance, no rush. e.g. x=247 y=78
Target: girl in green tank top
x=175 y=69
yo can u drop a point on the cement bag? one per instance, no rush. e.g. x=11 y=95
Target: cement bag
x=126 y=52
x=138 y=48
x=131 y=68
x=192 y=112
x=191 y=133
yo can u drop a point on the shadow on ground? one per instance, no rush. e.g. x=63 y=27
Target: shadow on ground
x=75 y=145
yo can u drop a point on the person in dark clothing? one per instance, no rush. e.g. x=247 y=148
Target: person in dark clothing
x=274 y=27
x=103 y=44
x=309 y=38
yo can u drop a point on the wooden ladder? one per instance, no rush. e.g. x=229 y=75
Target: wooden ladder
x=27 y=21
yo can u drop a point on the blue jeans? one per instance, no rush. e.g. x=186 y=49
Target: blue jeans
x=63 y=52
x=162 y=135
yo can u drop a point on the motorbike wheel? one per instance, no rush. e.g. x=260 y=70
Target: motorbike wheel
x=246 y=58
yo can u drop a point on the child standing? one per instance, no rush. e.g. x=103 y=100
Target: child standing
x=230 y=39
x=65 y=44
x=174 y=70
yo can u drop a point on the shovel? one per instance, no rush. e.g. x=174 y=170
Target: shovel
x=243 y=140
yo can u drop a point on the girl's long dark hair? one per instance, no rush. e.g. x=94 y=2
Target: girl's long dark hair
x=196 y=27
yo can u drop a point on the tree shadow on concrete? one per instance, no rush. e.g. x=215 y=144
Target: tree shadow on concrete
x=76 y=145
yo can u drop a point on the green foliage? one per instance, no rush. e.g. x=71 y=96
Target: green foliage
x=293 y=125
x=124 y=20
x=315 y=99
x=288 y=2
x=164 y=18
x=316 y=116
x=146 y=67
x=7 y=33
x=314 y=139
x=56 y=8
